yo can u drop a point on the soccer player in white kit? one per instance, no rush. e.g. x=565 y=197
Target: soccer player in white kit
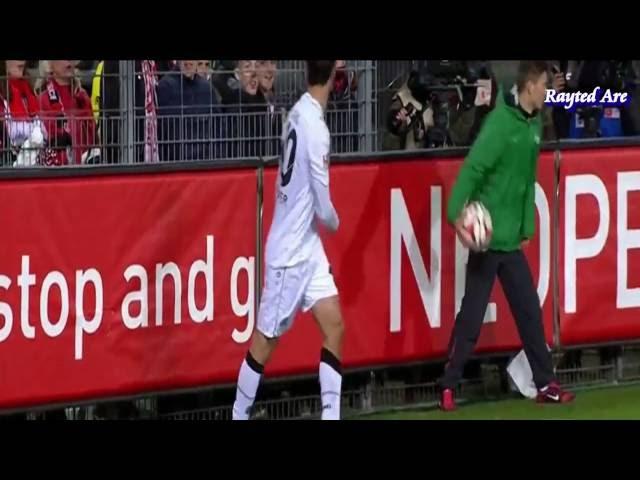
x=298 y=275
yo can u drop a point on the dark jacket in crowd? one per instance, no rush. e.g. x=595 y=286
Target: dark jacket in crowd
x=188 y=126
x=112 y=118
x=228 y=87
x=246 y=122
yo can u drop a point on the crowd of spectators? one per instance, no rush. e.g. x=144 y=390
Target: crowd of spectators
x=49 y=122
x=66 y=112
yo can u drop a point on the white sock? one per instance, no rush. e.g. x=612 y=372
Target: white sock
x=330 y=385
x=248 y=381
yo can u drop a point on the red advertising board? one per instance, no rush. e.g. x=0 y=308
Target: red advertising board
x=599 y=245
x=80 y=263
x=84 y=258
x=395 y=259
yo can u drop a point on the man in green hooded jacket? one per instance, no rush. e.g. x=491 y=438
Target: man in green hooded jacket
x=500 y=172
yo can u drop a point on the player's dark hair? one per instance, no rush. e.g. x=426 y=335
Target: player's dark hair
x=530 y=70
x=319 y=71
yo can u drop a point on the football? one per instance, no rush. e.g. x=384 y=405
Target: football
x=477 y=221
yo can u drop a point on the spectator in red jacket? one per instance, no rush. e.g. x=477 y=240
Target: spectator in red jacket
x=68 y=117
x=20 y=125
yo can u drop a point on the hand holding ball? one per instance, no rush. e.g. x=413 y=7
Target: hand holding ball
x=474 y=227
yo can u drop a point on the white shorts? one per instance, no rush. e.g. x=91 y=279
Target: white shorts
x=290 y=289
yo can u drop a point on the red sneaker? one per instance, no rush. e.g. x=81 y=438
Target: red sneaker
x=552 y=393
x=447 y=400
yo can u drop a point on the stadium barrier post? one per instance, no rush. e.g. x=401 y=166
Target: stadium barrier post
x=555 y=239
x=257 y=278
x=127 y=105
x=619 y=370
x=365 y=109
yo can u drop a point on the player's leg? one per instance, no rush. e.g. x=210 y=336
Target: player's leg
x=321 y=297
x=329 y=318
x=250 y=374
x=279 y=304
x=481 y=272
x=517 y=283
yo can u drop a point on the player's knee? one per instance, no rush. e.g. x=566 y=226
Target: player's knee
x=329 y=317
x=335 y=330
x=262 y=347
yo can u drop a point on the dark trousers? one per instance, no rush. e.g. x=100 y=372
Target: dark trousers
x=517 y=282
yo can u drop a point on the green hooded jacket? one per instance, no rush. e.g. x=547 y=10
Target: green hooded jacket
x=500 y=172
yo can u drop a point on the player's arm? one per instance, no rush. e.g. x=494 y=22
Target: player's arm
x=482 y=157
x=319 y=174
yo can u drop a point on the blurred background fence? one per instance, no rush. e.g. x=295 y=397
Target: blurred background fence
x=132 y=111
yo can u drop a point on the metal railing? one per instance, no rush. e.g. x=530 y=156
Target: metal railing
x=219 y=115
x=222 y=112
x=376 y=397
x=378 y=393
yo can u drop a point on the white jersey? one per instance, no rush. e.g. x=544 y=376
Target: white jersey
x=302 y=187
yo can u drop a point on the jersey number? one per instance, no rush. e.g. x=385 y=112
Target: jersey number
x=288 y=155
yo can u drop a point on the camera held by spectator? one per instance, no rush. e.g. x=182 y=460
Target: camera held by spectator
x=442 y=95
x=410 y=114
x=411 y=120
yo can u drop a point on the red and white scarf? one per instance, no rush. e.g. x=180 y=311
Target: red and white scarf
x=19 y=111
x=150 y=119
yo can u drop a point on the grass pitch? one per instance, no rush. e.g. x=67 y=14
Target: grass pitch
x=616 y=403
